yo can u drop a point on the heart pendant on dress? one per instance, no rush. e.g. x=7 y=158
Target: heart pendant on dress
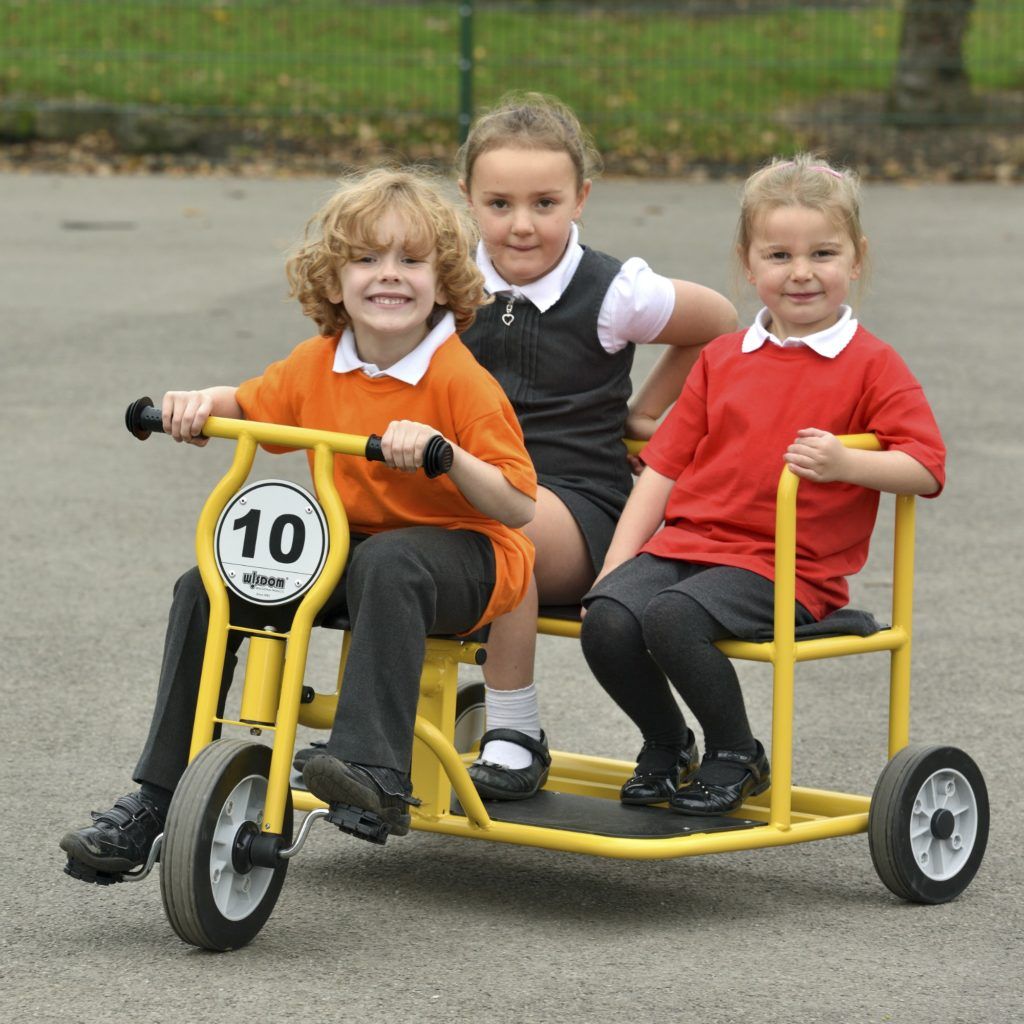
x=507 y=318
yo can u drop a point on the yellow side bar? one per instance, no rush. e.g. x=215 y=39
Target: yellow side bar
x=645 y=849
x=902 y=619
x=819 y=647
x=782 y=651
x=455 y=769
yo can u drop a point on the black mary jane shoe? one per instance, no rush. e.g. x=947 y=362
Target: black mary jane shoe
x=653 y=782
x=702 y=796
x=497 y=782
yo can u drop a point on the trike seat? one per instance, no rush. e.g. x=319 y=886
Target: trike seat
x=338 y=619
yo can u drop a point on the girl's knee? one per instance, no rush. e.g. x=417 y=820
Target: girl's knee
x=606 y=625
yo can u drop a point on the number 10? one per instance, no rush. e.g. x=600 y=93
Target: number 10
x=250 y=522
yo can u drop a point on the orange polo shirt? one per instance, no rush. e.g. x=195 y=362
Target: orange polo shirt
x=456 y=396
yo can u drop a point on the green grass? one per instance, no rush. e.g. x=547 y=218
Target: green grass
x=639 y=79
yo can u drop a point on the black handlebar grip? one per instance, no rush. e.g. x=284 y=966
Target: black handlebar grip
x=374 y=452
x=142 y=419
x=438 y=454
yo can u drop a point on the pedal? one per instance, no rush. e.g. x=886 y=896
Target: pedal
x=85 y=873
x=359 y=823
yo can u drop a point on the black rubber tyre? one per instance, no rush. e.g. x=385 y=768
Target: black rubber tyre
x=470 y=716
x=928 y=823
x=210 y=902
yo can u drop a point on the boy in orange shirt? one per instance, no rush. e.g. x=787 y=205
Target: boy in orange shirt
x=387 y=273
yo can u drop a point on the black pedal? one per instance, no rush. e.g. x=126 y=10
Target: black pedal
x=84 y=873
x=359 y=823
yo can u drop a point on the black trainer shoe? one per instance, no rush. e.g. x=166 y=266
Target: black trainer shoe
x=367 y=801
x=117 y=841
x=300 y=757
x=660 y=771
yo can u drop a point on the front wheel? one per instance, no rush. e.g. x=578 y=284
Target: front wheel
x=928 y=823
x=215 y=898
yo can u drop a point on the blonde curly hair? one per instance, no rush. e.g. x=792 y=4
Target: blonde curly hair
x=347 y=223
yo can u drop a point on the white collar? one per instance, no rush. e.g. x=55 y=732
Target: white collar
x=545 y=291
x=410 y=368
x=828 y=343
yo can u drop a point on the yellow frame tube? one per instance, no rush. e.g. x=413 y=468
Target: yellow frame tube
x=217 y=630
x=261 y=691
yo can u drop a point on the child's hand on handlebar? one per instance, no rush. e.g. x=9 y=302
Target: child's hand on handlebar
x=817 y=455
x=403 y=442
x=184 y=413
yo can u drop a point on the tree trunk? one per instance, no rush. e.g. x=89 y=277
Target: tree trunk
x=930 y=84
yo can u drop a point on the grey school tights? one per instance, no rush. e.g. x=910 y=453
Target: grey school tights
x=631 y=660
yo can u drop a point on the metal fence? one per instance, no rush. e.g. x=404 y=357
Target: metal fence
x=722 y=80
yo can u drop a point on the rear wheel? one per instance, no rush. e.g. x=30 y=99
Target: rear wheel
x=928 y=823
x=214 y=896
x=470 y=716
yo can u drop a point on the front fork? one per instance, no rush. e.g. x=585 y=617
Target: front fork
x=276 y=663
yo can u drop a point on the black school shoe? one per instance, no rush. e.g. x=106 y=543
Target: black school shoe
x=496 y=782
x=656 y=781
x=367 y=801
x=117 y=841
x=302 y=756
x=703 y=796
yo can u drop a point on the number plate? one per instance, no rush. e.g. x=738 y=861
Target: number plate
x=271 y=542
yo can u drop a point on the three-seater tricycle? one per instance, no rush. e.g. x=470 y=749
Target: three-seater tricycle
x=270 y=555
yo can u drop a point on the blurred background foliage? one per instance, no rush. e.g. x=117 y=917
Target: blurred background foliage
x=662 y=86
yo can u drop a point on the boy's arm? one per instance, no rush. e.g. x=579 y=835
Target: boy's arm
x=699 y=314
x=819 y=456
x=484 y=486
x=185 y=412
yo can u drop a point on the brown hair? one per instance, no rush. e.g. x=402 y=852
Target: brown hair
x=346 y=224
x=529 y=120
x=802 y=180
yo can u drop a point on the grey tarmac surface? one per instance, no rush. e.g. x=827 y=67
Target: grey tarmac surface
x=111 y=288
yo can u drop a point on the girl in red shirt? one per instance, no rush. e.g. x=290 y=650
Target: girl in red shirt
x=692 y=558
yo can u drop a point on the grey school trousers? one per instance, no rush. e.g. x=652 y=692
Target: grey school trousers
x=398 y=587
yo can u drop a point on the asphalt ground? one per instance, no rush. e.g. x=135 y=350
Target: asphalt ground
x=115 y=287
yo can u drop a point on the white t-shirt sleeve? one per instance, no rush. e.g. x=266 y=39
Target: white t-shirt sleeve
x=636 y=307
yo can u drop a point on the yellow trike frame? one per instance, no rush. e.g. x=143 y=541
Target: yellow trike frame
x=273 y=691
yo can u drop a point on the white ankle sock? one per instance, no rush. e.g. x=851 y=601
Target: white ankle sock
x=511 y=709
